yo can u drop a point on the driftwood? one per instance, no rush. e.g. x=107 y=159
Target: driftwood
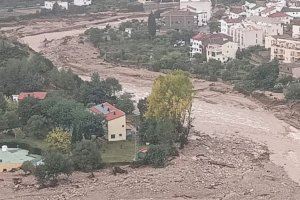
x=119 y=170
x=221 y=164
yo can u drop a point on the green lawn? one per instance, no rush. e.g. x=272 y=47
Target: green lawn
x=119 y=151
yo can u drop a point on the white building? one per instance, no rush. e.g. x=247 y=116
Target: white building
x=82 y=2
x=246 y=35
x=268 y=11
x=236 y=12
x=49 y=5
x=202 y=7
x=225 y=24
x=296 y=31
x=270 y=26
x=253 y=9
x=281 y=17
x=293 y=12
x=222 y=51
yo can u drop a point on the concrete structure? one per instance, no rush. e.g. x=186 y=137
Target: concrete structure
x=281 y=17
x=289 y=69
x=200 y=41
x=82 y=2
x=49 y=4
x=284 y=48
x=222 y=51
x=179 y=19
x=293 y=12
x=270 y=26
x=246 y=35
x=296 y=31
x=202 y=7
x=115 y=121
x=236 y=12
x=225 y=24
x=13 y=158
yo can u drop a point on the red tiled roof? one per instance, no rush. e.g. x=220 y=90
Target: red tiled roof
x=199 y=36
x=36 y=95
x=236 y=10
x=108 y=111
x=234 y=20
x=278 y=14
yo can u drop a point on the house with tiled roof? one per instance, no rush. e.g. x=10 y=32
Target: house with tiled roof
x=236 y=12
x=281 y=17
x=115 y=121
x=24 y=95
x=200 y=41
x=222 y=51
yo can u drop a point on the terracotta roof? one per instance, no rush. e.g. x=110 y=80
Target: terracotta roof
x=235 y=20
x=278 y=14
x=108 y=111
x=199 y=36
x=236 y=10
x=36 y=95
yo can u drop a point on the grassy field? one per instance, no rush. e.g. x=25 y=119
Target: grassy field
x=119 y=151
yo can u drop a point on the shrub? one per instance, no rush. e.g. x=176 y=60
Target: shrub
x=59 y=140
x=86 y=156
x=156 y=156
x=28 y=167
x=54 y=164
x=293 y=91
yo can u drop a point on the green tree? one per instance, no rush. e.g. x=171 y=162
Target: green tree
x=12 y=119
x=214 y=27
x=37 y=126
x=54 y=164
x=28 y=167
x=151 y=25
x=293 y=91
x=155 y=131
x=27 y=108
x=156 y=156
x=86 y=156
x=3 y=102
x=125 y=103
x=59 y=140
x=142 y=106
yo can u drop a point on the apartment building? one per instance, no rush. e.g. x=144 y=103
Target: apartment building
x=225 y=24
x=246 y=35
x=222 y=51
x=270 y=26
x=284 y=48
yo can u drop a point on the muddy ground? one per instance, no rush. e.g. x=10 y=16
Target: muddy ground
x=261 y=152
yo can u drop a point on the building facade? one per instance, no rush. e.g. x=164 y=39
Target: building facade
x=49 y=5
x=246 y=35
x=82 y=2
x=115 y=121
x=289 y=69
x=222 y=51
x=284 y=48
x=179 y=19
x=202 y=7
x=225 y=24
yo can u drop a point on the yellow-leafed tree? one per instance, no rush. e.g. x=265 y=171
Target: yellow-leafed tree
x=171 y=97
x=59 y=140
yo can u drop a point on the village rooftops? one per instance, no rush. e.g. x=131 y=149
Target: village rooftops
x=285 y=37
x=278 y=14
x=287 y=9
x=267 y=10
x=266 y=20
x=108 y=111
x=236 y=10
x=36 y=95
x=233 y=20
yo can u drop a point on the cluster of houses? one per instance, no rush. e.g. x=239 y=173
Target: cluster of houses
x=272 y=24
x=65 y=4
x=116 y=126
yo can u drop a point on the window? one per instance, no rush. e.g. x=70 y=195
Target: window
x=113 y=136
x=123 y=125
x=120 y=135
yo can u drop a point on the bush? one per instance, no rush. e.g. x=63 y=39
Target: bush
x=54 y=164
x=28 y=167
x=156 y=156
x=293 y=91
x=59 y=140
x=86 y=156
